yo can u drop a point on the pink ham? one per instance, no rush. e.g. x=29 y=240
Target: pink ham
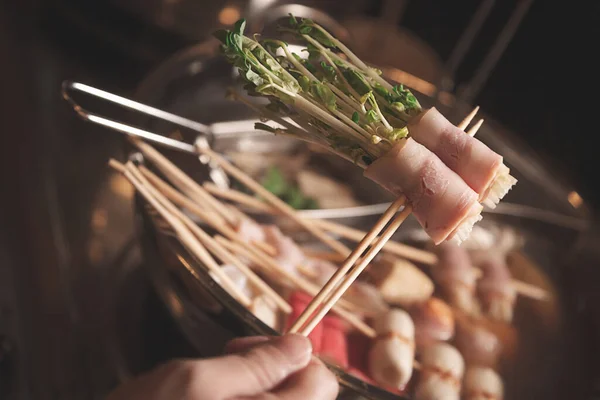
x=442 y=202
x=250 y=231
x=495 y=288
x=289 y=255
x=456 y=277
x=480 y=167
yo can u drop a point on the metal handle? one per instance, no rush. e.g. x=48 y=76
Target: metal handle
x=216 y=173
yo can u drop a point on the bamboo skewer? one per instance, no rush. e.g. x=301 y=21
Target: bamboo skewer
x=213 y=246
x=183 y=182
x=187 y=239
x=465 y=122
x=346 y=232
x=356 y=271
x=392 y=247
x=475 y=128
x=271 y=198
x=302 y=284
x=344 y=268
x=184 y=202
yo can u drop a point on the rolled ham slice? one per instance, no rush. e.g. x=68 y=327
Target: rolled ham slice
x=482 y=383
x=456 y=277
x=480 y=167
x=390 y=360
x=445 y=206
x=442 y=369
x=495 y=288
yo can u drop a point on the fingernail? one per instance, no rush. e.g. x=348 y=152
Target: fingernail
x=297 y=348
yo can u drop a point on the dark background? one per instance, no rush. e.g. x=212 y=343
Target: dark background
x=544 y=89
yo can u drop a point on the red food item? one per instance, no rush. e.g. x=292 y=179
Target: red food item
x=334 y=346
x=299 y=301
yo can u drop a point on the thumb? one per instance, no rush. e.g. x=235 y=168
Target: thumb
x=260 y=369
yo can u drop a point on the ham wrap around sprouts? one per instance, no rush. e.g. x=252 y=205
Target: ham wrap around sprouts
x=333 y=100
x=480 y=167
x=442 y=203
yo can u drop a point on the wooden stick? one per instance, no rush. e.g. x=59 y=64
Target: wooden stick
x=183 y=182
x=357 y=270
x=475 y=128
x=323 y=255
x=271 y=198
x=344 y=268
x=184 y=202
x=297 y=281
x=396 y=248
x=465 y=122
x=213 y=246
x=392 y=247
x=523 y=288
x=189 y=241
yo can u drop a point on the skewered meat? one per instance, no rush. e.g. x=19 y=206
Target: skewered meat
x=400 y=282
x=496 y=291
x=442 y=368
x=442 y=202
x=434 y=322
x=390 y=360
x=482 y=383
x=456 y=277
x=480 y=167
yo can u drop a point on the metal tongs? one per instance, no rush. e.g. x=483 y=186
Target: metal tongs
x=204 y=138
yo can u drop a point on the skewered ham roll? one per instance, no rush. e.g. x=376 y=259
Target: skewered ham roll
x=456 y=277
x=390 y=360
x=480 y=167
x=477 y=344
x=442 y=369
x=434 y=322
x=482 y=383
x=442 y=202
x=495 y=288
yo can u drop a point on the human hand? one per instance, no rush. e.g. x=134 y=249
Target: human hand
x=255 y=368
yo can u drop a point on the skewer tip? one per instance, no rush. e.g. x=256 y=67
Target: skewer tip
x=475 y=128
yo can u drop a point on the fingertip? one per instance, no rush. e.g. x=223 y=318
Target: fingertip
x=296 y=347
